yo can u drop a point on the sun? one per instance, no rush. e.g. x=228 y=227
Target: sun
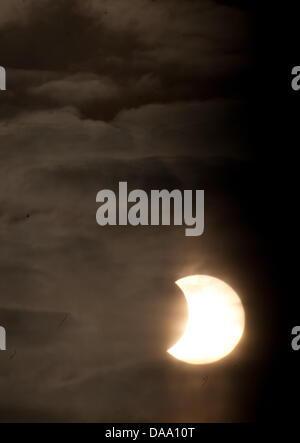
x=216 y=320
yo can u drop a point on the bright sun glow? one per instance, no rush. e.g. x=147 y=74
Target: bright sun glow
x=215 y=323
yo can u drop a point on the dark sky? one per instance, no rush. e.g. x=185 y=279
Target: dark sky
x=152 y=93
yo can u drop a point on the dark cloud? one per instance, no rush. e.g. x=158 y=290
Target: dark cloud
x=106 y=56
x=101 y=91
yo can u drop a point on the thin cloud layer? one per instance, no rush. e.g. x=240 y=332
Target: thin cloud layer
x=136 y=53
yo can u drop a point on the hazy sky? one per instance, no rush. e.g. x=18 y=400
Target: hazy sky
x=152 y=93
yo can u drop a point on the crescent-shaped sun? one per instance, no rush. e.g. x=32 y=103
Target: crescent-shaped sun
x=216 y=320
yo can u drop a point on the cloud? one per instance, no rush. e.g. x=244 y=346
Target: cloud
x=50 y=138
x=103 y=57
x=149 y=92
x=13 y=11
x=77 y=90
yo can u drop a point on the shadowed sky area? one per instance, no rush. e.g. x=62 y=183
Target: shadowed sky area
x=152 y=93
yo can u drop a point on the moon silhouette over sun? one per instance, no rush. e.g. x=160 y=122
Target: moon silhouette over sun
x=216 y=320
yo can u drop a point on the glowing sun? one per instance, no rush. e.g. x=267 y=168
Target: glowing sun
x=216 y=320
